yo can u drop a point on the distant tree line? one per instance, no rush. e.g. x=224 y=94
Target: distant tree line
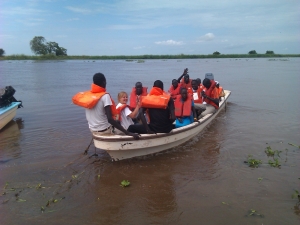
x=39 y=46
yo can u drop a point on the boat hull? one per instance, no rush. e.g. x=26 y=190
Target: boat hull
x=8 y=113
x=123 y=147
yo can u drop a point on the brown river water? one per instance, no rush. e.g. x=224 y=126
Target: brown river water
x=46 y=179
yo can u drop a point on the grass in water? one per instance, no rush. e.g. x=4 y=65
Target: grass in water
x=254 y=163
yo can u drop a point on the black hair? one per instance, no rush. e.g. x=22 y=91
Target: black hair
x=206 y=82
x=99 y=78
x=138 y=83
x=159 y=84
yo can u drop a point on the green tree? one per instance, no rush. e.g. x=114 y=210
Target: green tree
x=53 y=48
x=2 y=52
x=216 y=53
x=270 y=53
x=252 y=52
x=38 y=46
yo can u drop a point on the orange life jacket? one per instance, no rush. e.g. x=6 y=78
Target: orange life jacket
x=188 y=85
x=220 y=89
x=198 y=92
x=183 y=108
x=157 y=98
x=175 y=92
x=134 y=97
x=88 y=99
x=119 y=110
x=212 y=92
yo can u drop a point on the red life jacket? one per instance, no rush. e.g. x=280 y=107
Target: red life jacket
x=188 y=85
x=198 y=92
x=212 y=92
x=183 y=108
x=175 y=92
x=157 y=98
x=134 y=98
x=88 y=99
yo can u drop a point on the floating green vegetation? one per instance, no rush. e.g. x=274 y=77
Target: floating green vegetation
x=298 y=146
x=125 y=183
x=260 y=179
x=225 y=203
x=254 y=163
x=140 y=61
x=253 y=212
x=296 y=195
x=274 y=163
x=271 y=152
x=129 y=60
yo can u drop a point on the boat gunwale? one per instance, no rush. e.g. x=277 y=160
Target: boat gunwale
x=113 y=138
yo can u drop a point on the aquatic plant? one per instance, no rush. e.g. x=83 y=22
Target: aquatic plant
x=125 y=183
x=253 y=212
x=260 y=179
x=271 y=152
x=298 y=146
x=274 y=163
x=253 y=162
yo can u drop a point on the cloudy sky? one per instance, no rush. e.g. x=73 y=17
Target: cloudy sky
x=137 y=27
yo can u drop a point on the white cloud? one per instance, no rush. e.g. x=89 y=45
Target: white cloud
x=206 y=37
x=79 y=10
x=72 y=19
x=169 y=42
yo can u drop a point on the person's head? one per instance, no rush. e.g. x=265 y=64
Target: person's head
x=138 y=88
x=184 y=94
x=175 y=83
x=199 y=81
x=186 y=78
x=217 y=84
x=206 y=83
x=99 y=79
x=123 y=97
x=195 y=85
x=159 y=84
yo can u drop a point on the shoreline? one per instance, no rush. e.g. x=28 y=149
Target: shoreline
x=144 y=57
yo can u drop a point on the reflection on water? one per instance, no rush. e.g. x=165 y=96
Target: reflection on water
x=10 y=140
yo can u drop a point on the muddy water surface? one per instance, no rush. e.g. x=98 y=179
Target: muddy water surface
x=45 y=178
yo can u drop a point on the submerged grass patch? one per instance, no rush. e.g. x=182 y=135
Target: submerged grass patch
x=254 y=163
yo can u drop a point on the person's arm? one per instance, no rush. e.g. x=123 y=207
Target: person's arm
x=184 y=73
x=116 y=124
x=135 y=112
x=172 y=110
x=222 y=93
x=214 y=100
x=144 y=122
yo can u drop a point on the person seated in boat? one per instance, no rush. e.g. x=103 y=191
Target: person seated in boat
x=184 y=109
x=136 y=94
x=184 y=80
x=210 y=97
x=124 y=113
x=160 y=108
x=174 y=89
x=220 y=91
x=100 y=108
x=199 y=83
x=197 y=96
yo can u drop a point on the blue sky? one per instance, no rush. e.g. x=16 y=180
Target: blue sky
x=137 y=27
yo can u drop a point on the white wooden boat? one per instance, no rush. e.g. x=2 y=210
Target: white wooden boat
x=123 y=147
x=8 y=113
